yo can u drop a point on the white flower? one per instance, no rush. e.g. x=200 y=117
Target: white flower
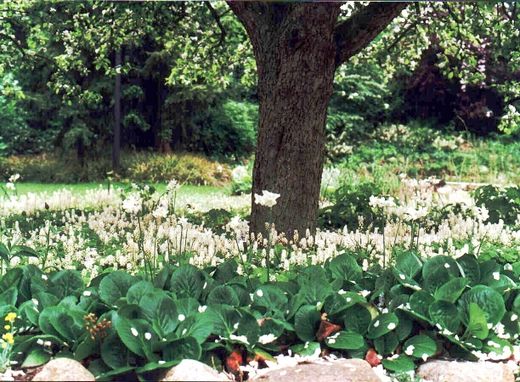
x=267 y=199
x=239 y=173
x=161 y=211
x=10 y=186
x=133 y=203
x=376 y=324
x=401 y=276
x=259 y=293
x=202 y=308
x=39 y=342
x=181 y=317
x=13 y=178
x=266 y=338
x=496 y=275
x=173 y=185
x=134 y=331
x=446 y=265
x=514 y=317
x=364 y=293
x=87 y=293
x=409 y=350
x=148 y=336
x=242 y=339
x=391 y=326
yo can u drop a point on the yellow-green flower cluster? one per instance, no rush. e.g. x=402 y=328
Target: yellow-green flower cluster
x=8 y=336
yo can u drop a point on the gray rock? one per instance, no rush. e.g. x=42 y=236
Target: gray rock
x=64 y=369
x=342 y=370
x=453 y=371
x=191 y=370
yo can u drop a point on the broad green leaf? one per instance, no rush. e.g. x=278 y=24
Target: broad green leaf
x=187 y=281
x=306 y=322
x=446 y=315
x=138 y=291
x=223 y=294
x=420 y=346
x=477 y=324
x=408 y=263
x=382 y=324
x=66 y=283
x=488 y=299
x=345 y=267
x=386 y=344
x=452 y=290
x=470 y=268
x=182 y=348
x=345 y=340
x=115 y=286
x=36 y=357
x=357 y=319
x=399 y=363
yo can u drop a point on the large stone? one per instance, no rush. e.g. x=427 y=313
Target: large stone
x=453 y=371
x=64 y=369
x=191 y=370
x=342 y=370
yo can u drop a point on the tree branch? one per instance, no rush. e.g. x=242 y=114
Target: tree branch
x=216 y=16
x=355 y=33
x=250 y=13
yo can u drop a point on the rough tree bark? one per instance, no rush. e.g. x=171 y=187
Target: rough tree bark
x=297 y=48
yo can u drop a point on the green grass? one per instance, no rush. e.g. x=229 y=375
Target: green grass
x=81 y=188
x=201 y=198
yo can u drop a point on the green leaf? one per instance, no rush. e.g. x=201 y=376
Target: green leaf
x=477 y=324
x=488 y=299
x=271 y=298
x=420 y=346
x=198 y=327
x=36 y=357
x=357 y=319
x=182 y=348
x=223 y=294
x=23 y=251
x=470 y=268
x=345 y=340
x=445 y=263
x=11 y=278
x=138 y=291
x=306 y=322
x=345 y=267
x=452 y=290
x=399 y=364
x=166 y=318
x=306 y=349
x=408 y=264
x=5 y=254
x=224 y=319
x=85 y=349
x=187 y=281
x=9 y=297
x=131 y=333
x=446 y=315
x=382 y=324
x=66 y=283
x=386 y=344
x=115 y=286
x=420 y=301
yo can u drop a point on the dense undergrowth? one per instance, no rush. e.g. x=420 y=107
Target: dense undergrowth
x=135 y=285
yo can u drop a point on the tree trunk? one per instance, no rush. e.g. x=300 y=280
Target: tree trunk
x=116 y=145
x=297 y=48
x=295 y=55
